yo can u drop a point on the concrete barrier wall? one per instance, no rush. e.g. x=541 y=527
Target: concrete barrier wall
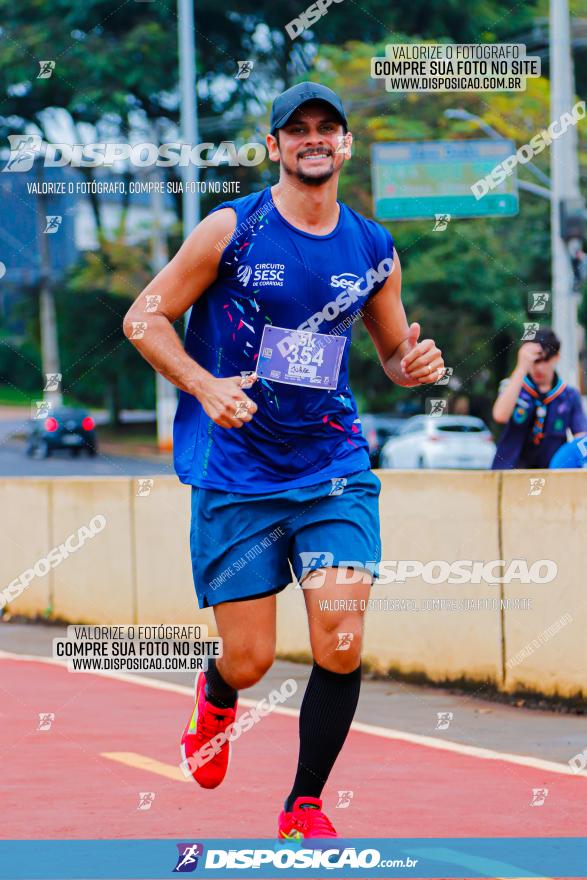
x=545 y=648
x=137 y=569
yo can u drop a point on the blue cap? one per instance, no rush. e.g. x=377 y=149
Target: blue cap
x=288 y=102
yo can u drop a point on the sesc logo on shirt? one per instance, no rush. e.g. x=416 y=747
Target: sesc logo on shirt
x=244 y=274
x=268 y=274
x=344 y=280
x=262 y=274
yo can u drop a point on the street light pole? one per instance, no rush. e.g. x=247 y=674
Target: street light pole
x=47 y=313
x=189 y=111
x=564 y=173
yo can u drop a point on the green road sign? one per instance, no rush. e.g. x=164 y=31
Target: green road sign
x=418 y=179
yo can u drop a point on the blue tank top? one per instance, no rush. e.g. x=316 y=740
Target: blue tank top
x=272 y=273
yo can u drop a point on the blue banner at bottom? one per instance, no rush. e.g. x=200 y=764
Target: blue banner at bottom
x=446 y=858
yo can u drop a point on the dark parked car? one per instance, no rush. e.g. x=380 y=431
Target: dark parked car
x=376 y=430
x=63 y=428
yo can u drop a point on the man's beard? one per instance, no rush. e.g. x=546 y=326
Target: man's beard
x=306 y=178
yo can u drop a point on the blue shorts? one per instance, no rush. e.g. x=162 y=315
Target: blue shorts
x=242 y=545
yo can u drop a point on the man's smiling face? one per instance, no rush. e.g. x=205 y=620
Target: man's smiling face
x=308 y=146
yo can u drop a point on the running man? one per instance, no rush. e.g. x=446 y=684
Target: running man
x=281 y=475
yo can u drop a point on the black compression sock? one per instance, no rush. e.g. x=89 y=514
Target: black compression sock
x=327 y=711
x=218 y=692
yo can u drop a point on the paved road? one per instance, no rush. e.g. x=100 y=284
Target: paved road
x=478 y=723
x=112 y=745
x=112 y=738
x=14 y=462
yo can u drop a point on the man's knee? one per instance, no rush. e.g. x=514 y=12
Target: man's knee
x=338 y=642
x=246 y=665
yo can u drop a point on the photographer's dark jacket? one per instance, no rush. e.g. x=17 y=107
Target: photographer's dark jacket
x=538 y=425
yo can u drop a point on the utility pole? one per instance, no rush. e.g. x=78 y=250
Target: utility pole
x=190 y=199
x=189 y=112
x=47 y=314
x=564 y=174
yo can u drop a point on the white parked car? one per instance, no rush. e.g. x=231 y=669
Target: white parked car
x=440 y=442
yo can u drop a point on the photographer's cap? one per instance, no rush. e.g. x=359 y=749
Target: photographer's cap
x=289 y=101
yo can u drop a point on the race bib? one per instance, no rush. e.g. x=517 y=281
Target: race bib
x=300 y=357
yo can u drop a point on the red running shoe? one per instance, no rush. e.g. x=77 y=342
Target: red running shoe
x=204 y=748
x=305 y=820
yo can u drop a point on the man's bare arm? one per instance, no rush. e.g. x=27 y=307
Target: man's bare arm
x=405 y=360
x=177 y=287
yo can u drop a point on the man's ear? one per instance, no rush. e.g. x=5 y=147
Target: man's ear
x=272 y=147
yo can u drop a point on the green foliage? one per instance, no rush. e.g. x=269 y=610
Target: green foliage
x=467 y=286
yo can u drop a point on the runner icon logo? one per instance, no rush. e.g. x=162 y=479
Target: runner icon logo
x=46 y=719
x=539 y=795
x=187 y=860
x=444 y=719
x=313 y=564
x=344 y=641
x=146 y=799
x=536 y=485
x=344 y=799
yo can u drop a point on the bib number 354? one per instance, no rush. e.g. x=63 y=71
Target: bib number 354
x=300 y=357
